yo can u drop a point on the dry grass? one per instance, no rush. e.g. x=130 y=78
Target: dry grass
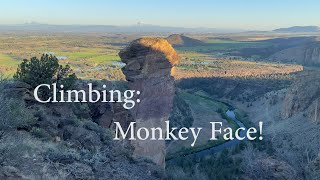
x=235 y=68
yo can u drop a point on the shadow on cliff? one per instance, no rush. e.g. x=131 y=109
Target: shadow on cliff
x=241 y=89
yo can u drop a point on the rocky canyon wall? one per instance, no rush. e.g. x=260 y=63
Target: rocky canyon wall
x=307 y=54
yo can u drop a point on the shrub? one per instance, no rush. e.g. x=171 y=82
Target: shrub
x=39 y=133
x=13 y=114
x=45 y=70
x=3 y=81
x=62 y=154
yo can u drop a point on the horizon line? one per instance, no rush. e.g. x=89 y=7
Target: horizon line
x=168 y=26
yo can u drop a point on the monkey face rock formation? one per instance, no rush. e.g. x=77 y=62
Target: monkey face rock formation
x=149 y=68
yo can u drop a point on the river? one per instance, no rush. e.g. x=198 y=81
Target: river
x=220 y=147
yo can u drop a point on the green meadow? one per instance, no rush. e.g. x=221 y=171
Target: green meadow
x=104 y=59
x=6 y=60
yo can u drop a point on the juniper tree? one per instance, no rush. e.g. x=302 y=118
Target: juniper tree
x=45 y=70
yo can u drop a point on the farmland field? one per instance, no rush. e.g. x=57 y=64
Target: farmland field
x=95 y=56
x=6 y=60
x=90 y=55
x=8 y=64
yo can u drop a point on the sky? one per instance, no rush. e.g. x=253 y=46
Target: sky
x=233 y=14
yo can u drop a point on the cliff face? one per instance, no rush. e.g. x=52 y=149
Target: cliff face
x=149 y=63
x=308 y=54
x=303 y=96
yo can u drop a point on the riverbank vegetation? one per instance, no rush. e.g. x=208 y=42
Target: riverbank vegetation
x=232 y=163
x=203 y=111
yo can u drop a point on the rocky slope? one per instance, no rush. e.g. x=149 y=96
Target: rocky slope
x=148 y=69
x=291 y=124
x=61 y=141
x=307 y=54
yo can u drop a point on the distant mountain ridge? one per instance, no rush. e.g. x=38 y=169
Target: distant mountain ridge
x=138 y=28
x=299 y=29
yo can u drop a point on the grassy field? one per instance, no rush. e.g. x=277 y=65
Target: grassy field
x=76 y=56
x=191 y=55
x=8 y=65
x=6 y=60
x=212 y=67
x=104 y=59
x=89 y=55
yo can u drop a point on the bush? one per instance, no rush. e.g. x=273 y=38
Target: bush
x=62 y=154
x=216 y=166
x=40 y=133
x=45 y=70
x=13 y=114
